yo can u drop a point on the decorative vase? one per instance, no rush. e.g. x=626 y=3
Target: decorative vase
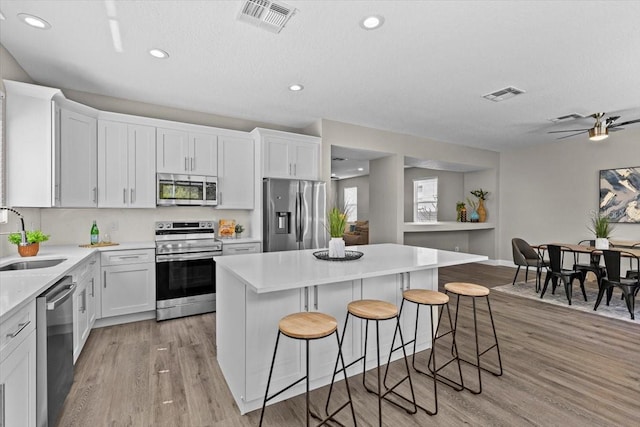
x=474 y=216
x=29 y=250
x=602 y=243
x=238 y=235
x=482 y=213
x=336 y=247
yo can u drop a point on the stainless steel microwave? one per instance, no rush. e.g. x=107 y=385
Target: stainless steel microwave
x=186 y=190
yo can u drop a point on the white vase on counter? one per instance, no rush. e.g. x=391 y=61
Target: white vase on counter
x=602 y=243
x=336 y=247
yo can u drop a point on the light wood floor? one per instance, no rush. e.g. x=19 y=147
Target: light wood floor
x=561 y=368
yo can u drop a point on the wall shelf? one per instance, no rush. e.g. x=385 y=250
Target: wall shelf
x=423 y=227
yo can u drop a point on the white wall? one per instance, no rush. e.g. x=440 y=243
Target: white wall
x=548 y=192
x=362 y=183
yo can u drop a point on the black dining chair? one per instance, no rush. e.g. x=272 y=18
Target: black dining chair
x=525 y=256
x=629 y=287
x=630 y=273
x=555 y=272
x=594 y=262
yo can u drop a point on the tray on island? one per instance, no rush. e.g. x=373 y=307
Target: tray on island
x=348 y=256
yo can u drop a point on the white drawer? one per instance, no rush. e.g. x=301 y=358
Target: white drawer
x=135 y=256
x=16 y=328
x=240 y=248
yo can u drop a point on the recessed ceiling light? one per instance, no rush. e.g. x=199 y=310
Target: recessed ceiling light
x=296 y=88
x=34 y=21
x=158 y=53
x=372 y=22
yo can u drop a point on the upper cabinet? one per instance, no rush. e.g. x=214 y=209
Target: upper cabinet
x=182 y=152
x=288 y=155
x=236 y=177
x=126 y=165
x=51 y=149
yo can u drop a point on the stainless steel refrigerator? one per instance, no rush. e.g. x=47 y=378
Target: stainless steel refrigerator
x=293 y=215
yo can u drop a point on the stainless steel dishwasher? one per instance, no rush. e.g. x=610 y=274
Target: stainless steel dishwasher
x=54 y=350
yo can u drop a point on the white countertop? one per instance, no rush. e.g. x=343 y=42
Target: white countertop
x=18 y=287
x=277 y=271
x=424 y=227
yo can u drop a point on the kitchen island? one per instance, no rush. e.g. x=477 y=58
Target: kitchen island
x=255 y=291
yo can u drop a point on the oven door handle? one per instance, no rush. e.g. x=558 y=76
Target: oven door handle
x=186 y=257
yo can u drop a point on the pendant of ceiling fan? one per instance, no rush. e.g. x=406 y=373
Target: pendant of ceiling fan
x=600 y=129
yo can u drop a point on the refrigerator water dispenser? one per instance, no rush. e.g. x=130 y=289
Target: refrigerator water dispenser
x=283 y=219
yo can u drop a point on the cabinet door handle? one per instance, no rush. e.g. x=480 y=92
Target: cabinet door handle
x=104 y=279
x=132 y=196
x=93 y=288
x=408 y=281
x=3 y=421
x=124 y=196
x=84 y=301
x=306 y=299
x=402 y=281
x=21 y=326
x=295 y=169
x=193 y=163
x=315 y=297
x=129 y=257
x=95 y=194
x=186 y=166
x=289 y=168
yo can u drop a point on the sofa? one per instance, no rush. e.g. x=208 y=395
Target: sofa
x=357 y=234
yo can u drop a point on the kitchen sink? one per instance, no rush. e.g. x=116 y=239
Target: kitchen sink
x=30 y=265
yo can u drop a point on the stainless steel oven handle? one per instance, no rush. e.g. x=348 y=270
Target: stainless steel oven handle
x=52 y=305
x=186 y=257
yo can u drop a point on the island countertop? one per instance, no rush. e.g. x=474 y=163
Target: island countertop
x=277 y=271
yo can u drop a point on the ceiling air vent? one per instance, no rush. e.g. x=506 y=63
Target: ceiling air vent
x=267 y=14
x=502 y=94
x=567 y=118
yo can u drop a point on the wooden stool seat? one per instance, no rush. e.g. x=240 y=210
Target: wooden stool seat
x=308 y=326
x=467 y=289
x=426 y=297
x=373 y=309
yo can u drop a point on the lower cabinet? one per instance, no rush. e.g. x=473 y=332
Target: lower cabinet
x=128 y=282
x=84 y=302
x=233 y=248
x=18 y=369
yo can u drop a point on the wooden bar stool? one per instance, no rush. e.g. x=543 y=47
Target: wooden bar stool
x=474 y=291
x=308 y=326
x=432 y=299
x=375 y=310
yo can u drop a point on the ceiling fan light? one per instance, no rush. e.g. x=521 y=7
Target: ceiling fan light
x=598 y=133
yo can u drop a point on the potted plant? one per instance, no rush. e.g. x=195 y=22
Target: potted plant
x=239 y=229
x=34 y=237
x=482 y=196
x=337 y=222
x=602 y=228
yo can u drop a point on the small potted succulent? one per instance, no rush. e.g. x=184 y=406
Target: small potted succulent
x=239 y=229
x=34 y=238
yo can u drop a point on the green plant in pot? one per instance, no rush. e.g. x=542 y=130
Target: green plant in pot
x=602 y=228
x=239 y=230
x=337 y=220
x=34 y=238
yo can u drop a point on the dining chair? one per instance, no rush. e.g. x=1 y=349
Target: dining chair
x=594 y=262
x=555 y=272
x=525 y=256
x=630 y=273
x=629 y=287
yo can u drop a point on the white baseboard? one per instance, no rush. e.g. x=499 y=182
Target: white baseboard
x=127 y=318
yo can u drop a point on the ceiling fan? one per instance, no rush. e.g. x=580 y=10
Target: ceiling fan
x=600 y=129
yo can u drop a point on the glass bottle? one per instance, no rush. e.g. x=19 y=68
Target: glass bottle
x=95 y=233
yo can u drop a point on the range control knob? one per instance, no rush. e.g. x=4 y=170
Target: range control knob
x=209 y=225
x=161 y=225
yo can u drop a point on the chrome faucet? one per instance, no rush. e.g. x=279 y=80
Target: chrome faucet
x=23 y=233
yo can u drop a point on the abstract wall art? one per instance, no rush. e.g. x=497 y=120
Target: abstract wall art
x=620 y=194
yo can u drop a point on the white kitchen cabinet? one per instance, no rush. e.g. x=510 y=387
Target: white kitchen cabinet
x=236 y=172
x=128 y=282
x=76 y=160
x=288 y=155
x=84 y=302
x=51 y=148
x=18 y=368
x=126 y=165
x=182 y=152
x=230 y=247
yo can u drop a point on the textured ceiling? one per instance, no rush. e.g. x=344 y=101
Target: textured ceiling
x=422 y=73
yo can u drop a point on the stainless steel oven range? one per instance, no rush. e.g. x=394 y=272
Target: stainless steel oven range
x=185 y=269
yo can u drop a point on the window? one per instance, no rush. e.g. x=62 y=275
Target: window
x=425 y=200
x=351 y=203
